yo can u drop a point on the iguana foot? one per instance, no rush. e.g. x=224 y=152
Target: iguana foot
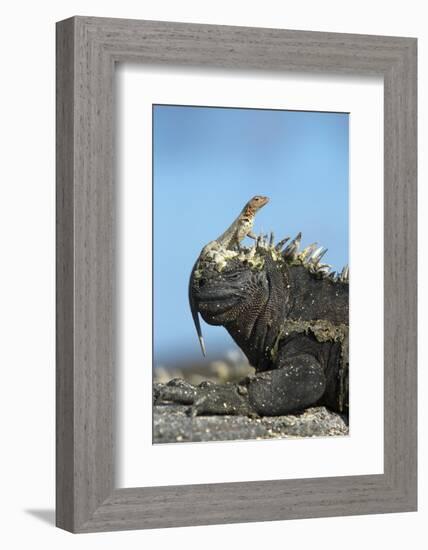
x=175 y=391
x=207 y=398
x=230 y=399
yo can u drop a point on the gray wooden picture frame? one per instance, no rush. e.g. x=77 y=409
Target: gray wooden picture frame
x=87 y=50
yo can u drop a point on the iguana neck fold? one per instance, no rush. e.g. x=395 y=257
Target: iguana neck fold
x=255 y=326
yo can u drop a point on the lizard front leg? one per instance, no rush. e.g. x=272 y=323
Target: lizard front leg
x=250 y=234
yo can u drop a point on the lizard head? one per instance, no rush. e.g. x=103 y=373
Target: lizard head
x=257 y=202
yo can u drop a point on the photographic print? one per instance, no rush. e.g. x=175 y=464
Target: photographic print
x=250 y=274
x=172 y=411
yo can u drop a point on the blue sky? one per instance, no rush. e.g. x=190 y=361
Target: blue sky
x=207 y=162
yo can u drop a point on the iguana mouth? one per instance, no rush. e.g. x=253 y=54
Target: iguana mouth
x=212 y=293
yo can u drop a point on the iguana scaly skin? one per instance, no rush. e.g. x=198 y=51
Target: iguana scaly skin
x=288 y=313
x=229 y=240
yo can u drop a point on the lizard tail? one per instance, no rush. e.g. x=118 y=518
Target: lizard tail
x=195 y=314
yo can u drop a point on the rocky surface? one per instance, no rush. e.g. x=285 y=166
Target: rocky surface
x=180 y=408
x=173 y=423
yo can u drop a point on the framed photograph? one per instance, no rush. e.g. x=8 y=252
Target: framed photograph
x=236 y=274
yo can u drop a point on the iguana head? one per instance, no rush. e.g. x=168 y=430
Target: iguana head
x=244 y=291
x=222 y=295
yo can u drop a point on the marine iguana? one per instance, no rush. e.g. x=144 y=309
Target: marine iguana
x=289 y=315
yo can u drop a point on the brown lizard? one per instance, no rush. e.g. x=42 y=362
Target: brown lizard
x=232 y=237
x=243 y=225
